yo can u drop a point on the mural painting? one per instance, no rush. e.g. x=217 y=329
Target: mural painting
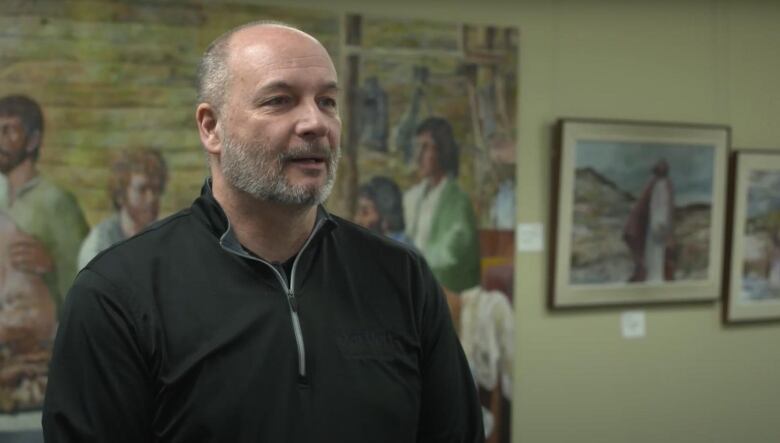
x=98 y=142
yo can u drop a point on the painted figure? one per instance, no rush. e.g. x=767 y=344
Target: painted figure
x=440 y=219
x=404 y=131
x=380 y=208
x=502 y=209
x=41 y=226
x=649 y=230
x=27 y=324
x=50 y=215
x=137 y=182
x=373 y=114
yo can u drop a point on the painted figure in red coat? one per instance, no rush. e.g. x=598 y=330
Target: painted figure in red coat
x=649 y=230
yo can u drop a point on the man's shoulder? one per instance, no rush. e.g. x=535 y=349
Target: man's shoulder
x=164 y=237
x=358 y=236
x=373 y=256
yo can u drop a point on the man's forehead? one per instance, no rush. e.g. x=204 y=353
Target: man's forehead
x=277 y=47
x=282 y=61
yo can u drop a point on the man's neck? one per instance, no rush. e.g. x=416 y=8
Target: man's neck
x=19 y=176
x=272 y=231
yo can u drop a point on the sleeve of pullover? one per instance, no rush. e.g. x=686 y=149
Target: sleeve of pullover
x=450 y=409
x=99 y=386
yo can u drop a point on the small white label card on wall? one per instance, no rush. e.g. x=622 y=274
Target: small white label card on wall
x=530 y=237
x=632 y=324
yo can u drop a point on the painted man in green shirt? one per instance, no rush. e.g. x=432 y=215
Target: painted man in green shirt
x=440 y=218
x=49 y=217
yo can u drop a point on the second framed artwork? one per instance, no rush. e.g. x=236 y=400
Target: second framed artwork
x=754 y=268
x=639 y=216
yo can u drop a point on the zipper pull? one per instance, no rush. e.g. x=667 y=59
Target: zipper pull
x=293 y=301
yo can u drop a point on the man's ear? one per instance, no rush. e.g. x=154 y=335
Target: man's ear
x=206 y=117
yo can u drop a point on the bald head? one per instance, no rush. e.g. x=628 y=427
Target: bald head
x=215 y=70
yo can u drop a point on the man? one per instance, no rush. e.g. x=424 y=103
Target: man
x=440 y=219
x=137 y=181
x=49 y=215
x=255 y=315
x=380 y=208
x=649 y=229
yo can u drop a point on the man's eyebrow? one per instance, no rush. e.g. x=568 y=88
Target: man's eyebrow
x=275 y=86
x=281 y=85
x=331 y=87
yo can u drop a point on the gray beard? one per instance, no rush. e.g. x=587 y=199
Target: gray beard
x=254 y=169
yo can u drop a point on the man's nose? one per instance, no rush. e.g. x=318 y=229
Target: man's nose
x=311 y=122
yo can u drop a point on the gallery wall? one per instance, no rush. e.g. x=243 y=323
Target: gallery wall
x=690 y=379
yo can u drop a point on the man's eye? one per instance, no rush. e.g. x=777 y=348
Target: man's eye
x=327 y=102
x=277 y=101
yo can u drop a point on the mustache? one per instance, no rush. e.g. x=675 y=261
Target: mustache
x=307 y=151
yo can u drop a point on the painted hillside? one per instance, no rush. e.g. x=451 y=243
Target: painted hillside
x=598 y=253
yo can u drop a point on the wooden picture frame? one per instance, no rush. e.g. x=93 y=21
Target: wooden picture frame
x=753 y=267
x=638 y=212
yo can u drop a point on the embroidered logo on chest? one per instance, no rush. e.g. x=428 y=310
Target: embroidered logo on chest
x=381 y=345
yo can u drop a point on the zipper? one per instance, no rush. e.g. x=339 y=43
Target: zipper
x=289 y=292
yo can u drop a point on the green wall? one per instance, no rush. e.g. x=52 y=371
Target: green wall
x=690 y=379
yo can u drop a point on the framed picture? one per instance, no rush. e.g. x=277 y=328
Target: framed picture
x=754 y=266
x=639 y=212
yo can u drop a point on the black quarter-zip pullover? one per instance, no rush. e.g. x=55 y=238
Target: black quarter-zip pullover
x=179 y=336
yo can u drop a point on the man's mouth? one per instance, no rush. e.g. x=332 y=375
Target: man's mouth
x=308 y=160
x=309 y=157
